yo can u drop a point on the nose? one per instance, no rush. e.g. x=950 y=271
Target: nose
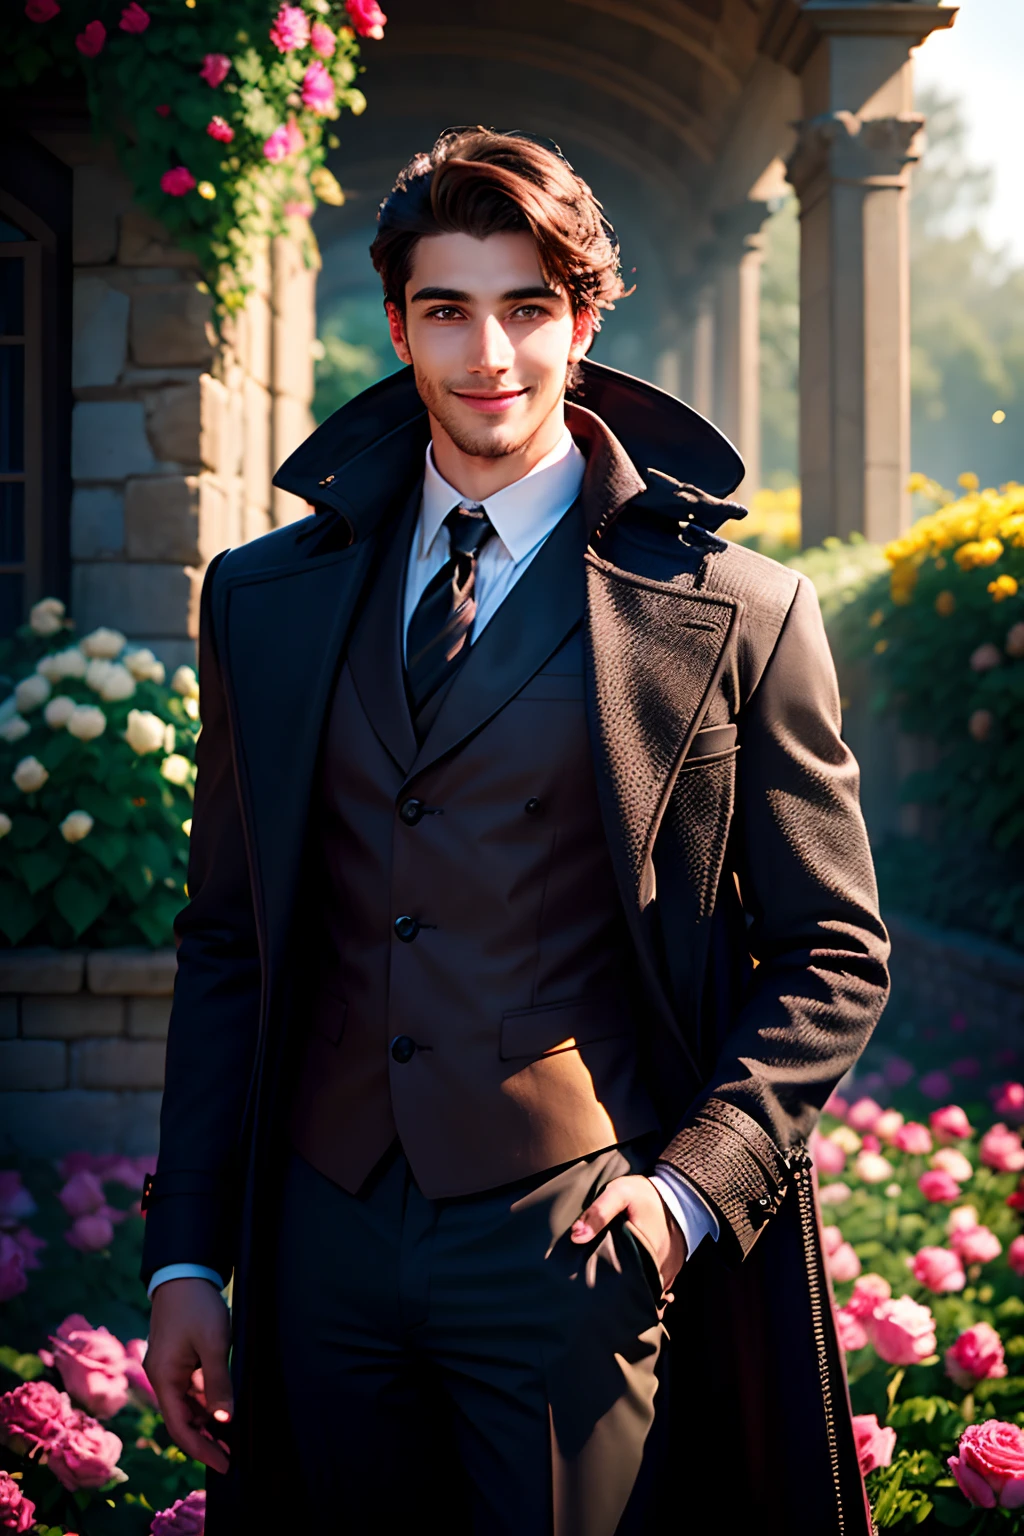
x=493 y=351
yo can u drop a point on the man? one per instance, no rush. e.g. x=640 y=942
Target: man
x=511 y=773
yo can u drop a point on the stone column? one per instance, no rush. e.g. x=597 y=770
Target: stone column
x=850 y=167
x=739 y=250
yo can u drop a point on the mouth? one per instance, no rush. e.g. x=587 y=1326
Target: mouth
x=493 y=402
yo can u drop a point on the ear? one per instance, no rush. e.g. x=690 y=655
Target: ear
x=582 y=336
x=396 y=325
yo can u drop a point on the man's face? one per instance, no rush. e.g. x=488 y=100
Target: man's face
x=489 y=340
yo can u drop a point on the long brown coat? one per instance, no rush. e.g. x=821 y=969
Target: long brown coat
x=745 y=876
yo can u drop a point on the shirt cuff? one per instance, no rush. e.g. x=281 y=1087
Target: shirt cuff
x=695 y=1218
x=184 y=1272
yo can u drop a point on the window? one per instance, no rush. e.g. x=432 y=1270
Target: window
x=20 y=520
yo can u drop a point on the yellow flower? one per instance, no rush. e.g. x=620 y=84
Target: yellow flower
x=1003 y=587
x=880 y=646
x=968 y=480
x=207 y=189
x=878 y=617
x=978 y=552
x=917 y=482
x=945 y=604
x=326 y=187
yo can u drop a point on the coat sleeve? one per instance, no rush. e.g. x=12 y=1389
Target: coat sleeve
x=192 y=1204
x=801 y=856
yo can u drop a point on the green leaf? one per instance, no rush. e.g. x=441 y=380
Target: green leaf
x=106 y=847
x=18 y=912
x=41 y=867
x=28 y=831
x=104 y=807
x=57 y=750
x=28 y=1367
x=79 y=904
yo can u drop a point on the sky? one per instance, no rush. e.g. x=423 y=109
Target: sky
x=980 y=59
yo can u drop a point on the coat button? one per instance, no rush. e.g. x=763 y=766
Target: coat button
x=407 y=928
x=532 y=806
x=403 y=1049
x=410 y=811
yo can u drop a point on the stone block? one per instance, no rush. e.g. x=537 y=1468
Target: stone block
x=235 y=446
x=256 y=457
x=144 y=242
x=175 y=423
x=293 y=422
x=294 y=322
x=31 y=1065
x=99 y=344
x=101 y=194
x=148 y=1017
x=97 y=523
x=255 y=521
x=161 y=518
x=258 y=332
x=108 y=440
x=71 y=1018
x=215 y=427
x=52 y=1124
x=131 y=972
x=42 y=970
x=116 y=1064
x=171 y=325
x=139 y=599
x=8 y=1018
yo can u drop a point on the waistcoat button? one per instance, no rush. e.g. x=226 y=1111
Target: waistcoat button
x=411 y=811
x=532 y=806
x=403 y=1049
x=407 y=928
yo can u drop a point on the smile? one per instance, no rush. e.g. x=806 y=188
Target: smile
x=492 y=403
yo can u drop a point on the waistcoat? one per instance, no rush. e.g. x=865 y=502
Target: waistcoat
x=473 y=993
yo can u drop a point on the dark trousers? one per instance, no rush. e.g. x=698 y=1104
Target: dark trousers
x=460 y=1363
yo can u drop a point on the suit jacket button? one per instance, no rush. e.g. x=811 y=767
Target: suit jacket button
x=410 y=811
x=403 y=1049
x=532 y=806
x=406 y=928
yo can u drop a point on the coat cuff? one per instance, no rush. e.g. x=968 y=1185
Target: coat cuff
x=737 y=1168
x=190 y=1217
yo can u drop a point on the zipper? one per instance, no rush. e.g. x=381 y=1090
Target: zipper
x=799 y=1162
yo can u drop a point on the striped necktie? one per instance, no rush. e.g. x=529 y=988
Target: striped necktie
x=437 y=640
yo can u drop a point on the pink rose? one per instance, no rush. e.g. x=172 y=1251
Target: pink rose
x=1015 y=1255
x=16 y=1512
x=30 y=1244
x=950 y=1123
x=220 y=130
x=12 y=1268
x=976 y=1245
x=835 y=1104
x=831 y=1239
x=867 y=1293
x=134 y=18
x=91 y=1234
x=284 y=141
x=90 y=40
x=902 y=1331
x=834 y=1194
x=82 y=1194
x=827 y=1155
x=990 y=1466
x=935 y=1084
x=322 y=39
x=41 y=10
x=976 y=1356
x=91 y=1362
x=290 y=29
x=215 y=70
x=366 y=17
x=888 y=1124
x=298 y=210
x=938 y=1269
x=142 y=1394
x=177 y=181
x=1000 y=1148
x=1008 y=1101
x=962 y=1218
x=850 y=1330
x=871 y=1142
x=843 y=1264
x=186 y=1517
x=898 y=1071
x=938 y=1185
x=15 y=1200
x=33 y=1416
x=952 y=1161
x=875 y=1445
x=862 y=1115
x=86 y=1454
x=872 y=1167
x=913 y=1138
x=317 y=89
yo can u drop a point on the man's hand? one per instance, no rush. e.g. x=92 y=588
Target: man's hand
x=187 y=1364
x=644 y=1207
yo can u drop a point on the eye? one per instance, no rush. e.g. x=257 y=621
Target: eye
x=444 y=312
x=528 y=311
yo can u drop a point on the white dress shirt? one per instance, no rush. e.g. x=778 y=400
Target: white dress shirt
x=522 y=515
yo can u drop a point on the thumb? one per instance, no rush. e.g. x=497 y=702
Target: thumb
x=598 y=1214
x=217 y=1383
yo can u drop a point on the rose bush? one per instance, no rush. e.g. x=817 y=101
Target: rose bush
x=96 y=768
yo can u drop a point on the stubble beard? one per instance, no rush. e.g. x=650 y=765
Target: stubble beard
x=479 y=445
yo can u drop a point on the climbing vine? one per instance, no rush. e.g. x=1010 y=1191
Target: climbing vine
x=220 y=110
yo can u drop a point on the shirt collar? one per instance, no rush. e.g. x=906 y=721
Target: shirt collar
x=522 y=513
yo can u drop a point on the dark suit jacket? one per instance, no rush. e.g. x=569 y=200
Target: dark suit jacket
x=756 y=852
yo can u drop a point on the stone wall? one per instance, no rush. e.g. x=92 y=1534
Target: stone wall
x=175 y=434
x=938 y=972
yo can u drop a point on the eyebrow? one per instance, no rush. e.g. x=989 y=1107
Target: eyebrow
x=458 y=296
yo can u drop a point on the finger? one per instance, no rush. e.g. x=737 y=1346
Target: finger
x=187 y=1437
x=217 y=1382
x=598 y=1214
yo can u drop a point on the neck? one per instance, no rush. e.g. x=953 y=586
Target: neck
x=477 y=476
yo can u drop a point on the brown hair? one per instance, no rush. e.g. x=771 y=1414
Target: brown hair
x=478 y=182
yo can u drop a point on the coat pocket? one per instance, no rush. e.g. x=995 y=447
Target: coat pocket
x=562 y=1026
x=711 y=744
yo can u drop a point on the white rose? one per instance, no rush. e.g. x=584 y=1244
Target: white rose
x=104 y=643
x=31 y=692
x=70 y=663
x=96 y=674
x=49 y=667
x=47 y=617
x=5 y=823
x=59 y=711
x=192 y=708
x=186 y=683
x=169 y=737
x=144 y=666
x=75 y=826
x=118 y=684
x=145 y=731
x=176 y=769
x=29 y=775
x=8 y=708
x=87 y=721
x=186 y=827
x=14 y=728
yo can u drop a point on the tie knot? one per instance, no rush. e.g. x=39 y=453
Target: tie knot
x=469 y=528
